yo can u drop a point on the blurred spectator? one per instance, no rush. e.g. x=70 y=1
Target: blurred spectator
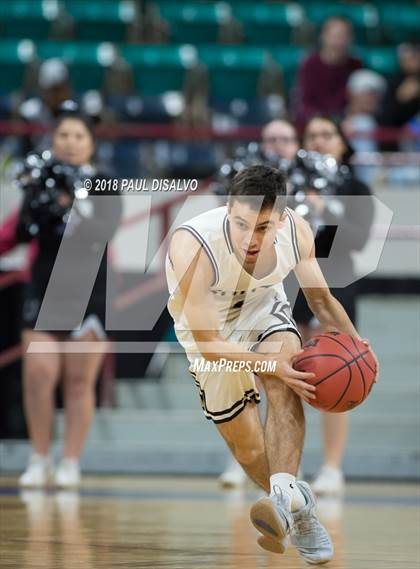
x=51 y=191
x=279 y=140
x=401 y=101
x=323 y=75
x=325 y=136
x=54 y=89
x=365 y=89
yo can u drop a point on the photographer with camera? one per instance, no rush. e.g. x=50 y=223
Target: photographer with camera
x=58 y=211
x=320 y=180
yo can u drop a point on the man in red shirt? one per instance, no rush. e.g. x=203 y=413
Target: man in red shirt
x=323 y=75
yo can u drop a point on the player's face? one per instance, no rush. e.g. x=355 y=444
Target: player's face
x=72 y=143
x=252 y=231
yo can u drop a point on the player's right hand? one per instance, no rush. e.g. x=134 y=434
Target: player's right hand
x=294 y=379
x=367 y=344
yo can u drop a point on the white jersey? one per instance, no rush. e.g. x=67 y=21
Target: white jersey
x=234 y=289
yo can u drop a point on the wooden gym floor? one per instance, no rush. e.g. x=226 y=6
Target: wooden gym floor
x=188 y=523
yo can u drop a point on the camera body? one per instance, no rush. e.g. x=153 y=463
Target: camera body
x=320 y=174
x=309 y=172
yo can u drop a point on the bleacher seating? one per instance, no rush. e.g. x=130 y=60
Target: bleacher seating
x=400 y=22
x=87 y=61
x=234 y=71
x=384 y=60
x=264 y=23
x=288 y=57
x=93 y=35
x=364 y=17
x=14 y=57
x=28 y=18
x=192 y=22
x=106 y=20
x=159 y=68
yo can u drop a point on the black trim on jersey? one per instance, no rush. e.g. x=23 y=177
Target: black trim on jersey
x=273 y=329
x=227 y=414
x=294 y=237
x=227 y=235
x=170 y=261
x=254 y=398
x=206 y=248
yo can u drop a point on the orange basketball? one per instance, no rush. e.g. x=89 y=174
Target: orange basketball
x=344 y=369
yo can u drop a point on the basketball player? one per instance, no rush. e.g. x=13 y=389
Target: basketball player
x=225 y=270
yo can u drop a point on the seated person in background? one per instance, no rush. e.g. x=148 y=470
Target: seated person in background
x=322 y=77
x=401 y=101
x=54 y=89
x=279 y=139
x=324 y=135
x=365 y=89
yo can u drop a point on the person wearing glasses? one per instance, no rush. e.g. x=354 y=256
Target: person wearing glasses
x=279 y=140
x=325 y=136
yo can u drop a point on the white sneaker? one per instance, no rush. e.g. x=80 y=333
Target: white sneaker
x=328 y=482
x=68 y=473
x=38 y=472
x=234 y=476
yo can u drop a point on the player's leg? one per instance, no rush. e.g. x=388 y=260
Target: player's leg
x=330 y=478
x=245 y=437
x=284 y=435
x=234 y=475
x=41 y=373
x=291 y=504
x=335 y=436
x=79 y=379
x=285 y=424
x=277 y=448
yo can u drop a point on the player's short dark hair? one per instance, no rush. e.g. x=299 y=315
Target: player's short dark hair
x=256 y=182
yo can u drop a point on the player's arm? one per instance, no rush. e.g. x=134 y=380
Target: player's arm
x=195 y=276
x=323 y=304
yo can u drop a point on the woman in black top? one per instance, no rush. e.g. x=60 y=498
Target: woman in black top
x=401 y=101
x=354 y=219
x=71 y=227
